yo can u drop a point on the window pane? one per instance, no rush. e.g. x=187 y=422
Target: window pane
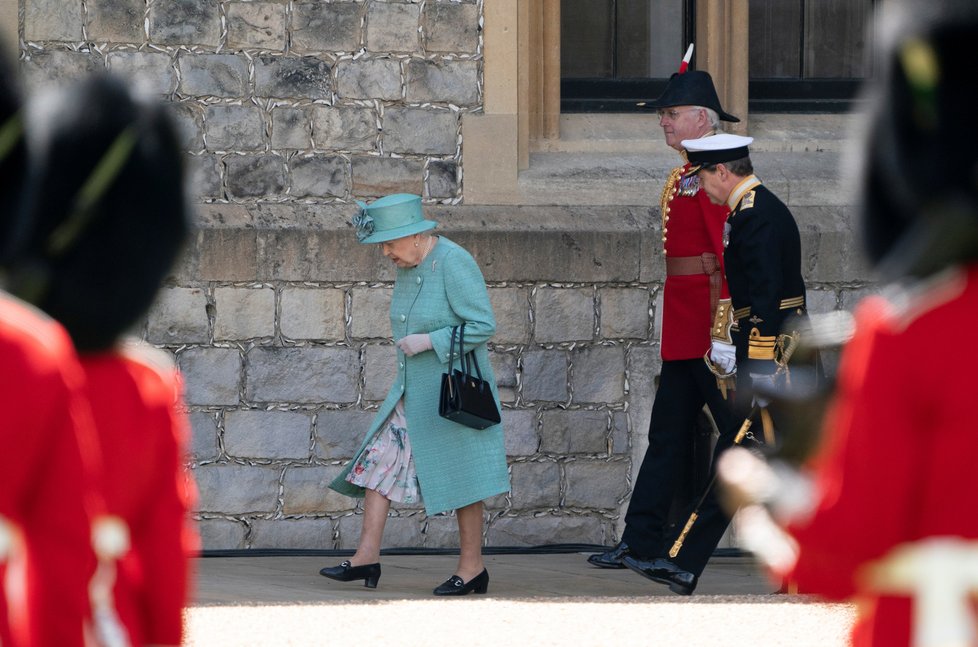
x=586 y=38
x=775 y=39
x=836 y=38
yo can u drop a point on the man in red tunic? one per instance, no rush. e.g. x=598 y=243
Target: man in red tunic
x=692 y=233
x=48 y=453
x=892 y=522
x=103 y=260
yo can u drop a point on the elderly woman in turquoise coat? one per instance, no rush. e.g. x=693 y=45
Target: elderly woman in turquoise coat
x=410 y=453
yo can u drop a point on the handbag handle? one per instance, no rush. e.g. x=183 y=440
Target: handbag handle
x=468 y=360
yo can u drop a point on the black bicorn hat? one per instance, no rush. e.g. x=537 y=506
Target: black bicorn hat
x=692 y=88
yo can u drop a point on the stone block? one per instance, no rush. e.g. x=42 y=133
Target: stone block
x=379 y=371
x=564 y=314
x=178 y=316
x=440 y=531
x=451 y=27
x=339 y=433
x=344 y=128
x=370 y=313
x=53 y=20
x=213 y=75
x=321 y=254
x=511 y=308
x=442 y=179
x=454 y=82
x=545 y=530
x=292 y=534
x=276 y=435
x=302 y=374
x=203 y=436
x=821 y=301
x=222 y=534
x=204 y=179
x=624 y=313
x=521 y=432
x=145 y=72
x=256 y=25
x=420 y=130
x=849 y=299
x=212 y=375
x=399 y=531
x=598 y=374
x=230 y=488
x=657 y=318
x=379 y=176
x=58 y=68
x=189 y=122
x=185 y=22
x=320 y=176
x=116 y=21
x=244 y=313
x=226 y=254
x=307 y=77
x=392 y=27
x=233 y=128
x=306 y=490
x=256 y=176
x=327 y=27
x=291 y=128
x=504 y=366
x=313 y=313
x=535 y=485
x=619 y=432
x=378 y=78
x=574 y=432
x=595 y=484
x=545 y=376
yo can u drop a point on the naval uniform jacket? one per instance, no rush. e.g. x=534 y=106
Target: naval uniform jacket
x=897 y=464
x=48 y=466
x=692 y=240
x=456 y=465
x=763 y=264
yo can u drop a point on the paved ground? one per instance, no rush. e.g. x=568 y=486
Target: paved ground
x=554 y=599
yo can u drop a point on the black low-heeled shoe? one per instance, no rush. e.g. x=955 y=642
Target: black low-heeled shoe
x=345 y=572
x=455 y=586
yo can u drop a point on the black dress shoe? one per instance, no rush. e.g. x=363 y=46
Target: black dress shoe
x=610 y=558
x=663 y=571
x=455 y=586
x=369 y=573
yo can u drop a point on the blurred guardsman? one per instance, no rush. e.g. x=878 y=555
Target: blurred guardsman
x=762 y=260
x=48 y=451
x=692 y=232
x=104 y=218
x=892 y=520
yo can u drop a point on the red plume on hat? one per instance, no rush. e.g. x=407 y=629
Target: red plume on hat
x=686 y=59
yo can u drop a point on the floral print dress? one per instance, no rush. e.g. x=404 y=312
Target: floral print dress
x=387 y=465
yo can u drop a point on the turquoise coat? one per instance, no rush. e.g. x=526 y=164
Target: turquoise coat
x=456 y=465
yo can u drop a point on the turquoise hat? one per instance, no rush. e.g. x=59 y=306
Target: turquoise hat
x=390 y=217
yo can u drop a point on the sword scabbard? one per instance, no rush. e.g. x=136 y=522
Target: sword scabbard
x=678 y=545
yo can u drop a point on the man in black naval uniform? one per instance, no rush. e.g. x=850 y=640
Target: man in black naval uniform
x=762 y=261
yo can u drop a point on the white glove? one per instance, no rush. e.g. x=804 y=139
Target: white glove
x=765 y=382
x=414 y=344
x=724 y=355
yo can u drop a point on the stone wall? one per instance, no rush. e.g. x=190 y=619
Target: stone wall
x=278 y=319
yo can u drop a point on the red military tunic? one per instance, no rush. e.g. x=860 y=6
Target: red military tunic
x=47 y=462
x=898 y=462
x=135 y=394
x=691 y=227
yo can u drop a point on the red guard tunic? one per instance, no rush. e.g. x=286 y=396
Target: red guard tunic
x=898 y=463
x=691 y=227
x=48 y=456
x=135 y=395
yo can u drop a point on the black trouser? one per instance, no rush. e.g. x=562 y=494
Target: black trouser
x=684 y=387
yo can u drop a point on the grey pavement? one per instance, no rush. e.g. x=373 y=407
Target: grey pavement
x=549 y=599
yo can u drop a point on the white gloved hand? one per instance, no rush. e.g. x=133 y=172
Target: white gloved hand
x=764 y=382
x=414 y=344
x=724 y=356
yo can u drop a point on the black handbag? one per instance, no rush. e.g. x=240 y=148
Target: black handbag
x=465 y=398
